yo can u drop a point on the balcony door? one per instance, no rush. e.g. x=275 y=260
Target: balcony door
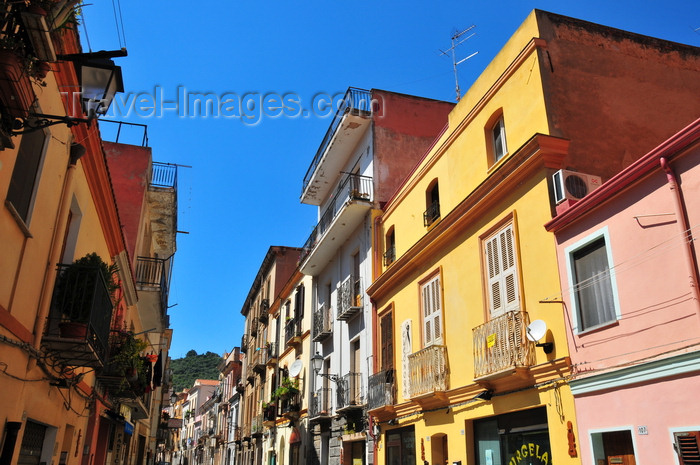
x=502 y=272
x=355 y=369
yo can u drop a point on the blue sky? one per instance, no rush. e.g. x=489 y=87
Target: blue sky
x=242 y=193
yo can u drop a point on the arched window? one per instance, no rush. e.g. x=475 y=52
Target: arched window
x=432 y=202
x=496 y=137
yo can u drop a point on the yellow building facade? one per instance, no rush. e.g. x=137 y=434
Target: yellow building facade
x=462 y=260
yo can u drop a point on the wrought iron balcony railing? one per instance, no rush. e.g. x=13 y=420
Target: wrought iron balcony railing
x=256 y=427
x=77 y=330
x=428 y=371
x=501 y=344
x=352 y=188
x=354 y=99
x=291 y=406
x=382 y=390
x=389 y=256
x=350 y=298
x=349 y=392
x=154 y=274
x=271 y=353
x=292 y=331
x=320 y=403
x=323 y=323
x=431 y=214
x=244 y=343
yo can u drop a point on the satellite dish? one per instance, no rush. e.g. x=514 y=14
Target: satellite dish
x=296 y=367
x=536 y=330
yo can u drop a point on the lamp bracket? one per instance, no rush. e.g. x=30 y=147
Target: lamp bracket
x=38 y=121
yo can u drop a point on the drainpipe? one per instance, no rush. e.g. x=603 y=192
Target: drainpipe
x=691 y=261
x=76 y=151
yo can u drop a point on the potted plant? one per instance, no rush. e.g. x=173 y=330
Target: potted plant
x=287 y=388
x=127 y=363
x=76 y=290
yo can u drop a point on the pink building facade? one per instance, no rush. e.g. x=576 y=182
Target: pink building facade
x=629 y=278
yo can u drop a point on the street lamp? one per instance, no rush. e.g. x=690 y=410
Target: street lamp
x=99 y=79
x=317 y=364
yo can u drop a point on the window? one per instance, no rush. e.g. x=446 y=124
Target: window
x=498 y=139
x=390 y=248
x=687 y=445
x=613 y=447
x=432 y=311
x=591 y=282
x=432 y=201
x=25 y=175
x=386 y=326
x=502 y=272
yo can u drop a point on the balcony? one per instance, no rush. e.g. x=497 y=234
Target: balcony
x=269 y=415
x=244 y=343
x=237 y=434
x=345 y=212
x=350 y=298
x=77 y=329
x=501 y=347
x=292 y=332
x=271 y=354
x=291 y=406
x=258 y=360
x=432 y=214
x=429 y=375
x=320 y=405
x=390 y=256
x=381 y=393
x=323 y=323
x=256 y=427
x=349 y=124
x=349 y=392
x=153 y=277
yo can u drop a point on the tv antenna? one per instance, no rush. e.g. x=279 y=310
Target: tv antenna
x=456 y=41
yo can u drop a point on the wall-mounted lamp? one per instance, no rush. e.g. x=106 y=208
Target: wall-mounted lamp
x=393 y=422
x=317 y=364
x=99 y=79
x=536 y=331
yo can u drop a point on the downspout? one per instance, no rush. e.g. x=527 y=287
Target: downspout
x=691 y=260
x=76 y=151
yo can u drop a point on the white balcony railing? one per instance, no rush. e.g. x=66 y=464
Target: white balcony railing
x=501 y=344
x=428 y=371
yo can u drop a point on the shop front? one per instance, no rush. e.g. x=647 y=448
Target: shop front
x=519 y=438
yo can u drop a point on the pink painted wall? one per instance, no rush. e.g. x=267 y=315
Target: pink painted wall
x=652 y=280
x=660 y=318
x=129 y=167
x=671 y=403
x=404 y=128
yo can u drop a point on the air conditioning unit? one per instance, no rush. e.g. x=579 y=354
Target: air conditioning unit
x=573 y=185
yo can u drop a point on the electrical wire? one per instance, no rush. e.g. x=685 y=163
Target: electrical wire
x=84 y=23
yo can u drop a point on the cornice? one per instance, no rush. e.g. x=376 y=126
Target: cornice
x=404 y=190
x=540 y=152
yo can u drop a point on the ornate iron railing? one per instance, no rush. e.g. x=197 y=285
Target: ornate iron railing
x=349 y=391
x=81 y=310
x=256 y=427
x=501 y=344
x=155 y=273
x=428 y=371
x=352 y=187
x=349 y=297
x=320 y=403
x=431 y=214
x=389 y=256
x=354 y=99
x=292 y=330
x=381 y=390
x=323 y=322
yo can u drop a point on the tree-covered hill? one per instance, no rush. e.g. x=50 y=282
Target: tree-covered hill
x=194 y=366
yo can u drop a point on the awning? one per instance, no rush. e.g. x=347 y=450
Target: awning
x=295 y=437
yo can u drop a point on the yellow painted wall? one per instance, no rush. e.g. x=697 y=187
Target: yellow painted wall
x=460 y=162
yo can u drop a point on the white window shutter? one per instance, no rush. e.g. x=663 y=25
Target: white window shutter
x=502 y=272
x=432 y=312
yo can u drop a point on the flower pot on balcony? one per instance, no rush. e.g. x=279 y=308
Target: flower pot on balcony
x=16 y=93
x=73 y=330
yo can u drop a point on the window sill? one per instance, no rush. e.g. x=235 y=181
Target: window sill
x=497 y=164
x=20 y=222
x=600 y=327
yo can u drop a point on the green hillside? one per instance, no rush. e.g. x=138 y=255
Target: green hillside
x=194 y=366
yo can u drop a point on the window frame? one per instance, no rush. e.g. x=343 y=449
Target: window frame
x=390 y=246
x=499 y=124
x=569 y=252
x=24 y=222
x=432 y=204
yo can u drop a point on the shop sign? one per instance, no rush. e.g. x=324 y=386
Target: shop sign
x=128 y=427
x=530 y=454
